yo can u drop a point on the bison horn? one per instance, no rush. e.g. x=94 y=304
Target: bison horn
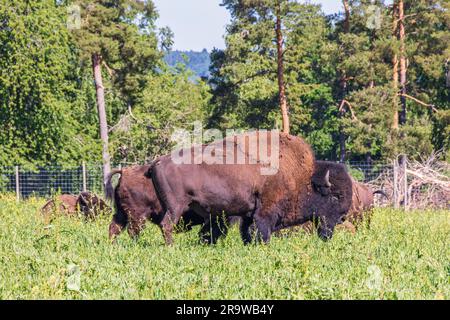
x=327 y=179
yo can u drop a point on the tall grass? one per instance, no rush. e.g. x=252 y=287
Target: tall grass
x=402 y=256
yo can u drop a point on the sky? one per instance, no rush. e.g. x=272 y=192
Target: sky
x=199 y=24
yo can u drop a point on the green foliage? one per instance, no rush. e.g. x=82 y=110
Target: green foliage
x=170 y=100
x=319 y=56
x=244 y=75
x=366 y=57
x=48 y=112
x=402 y=256
x=37 y=120
x=122 y=32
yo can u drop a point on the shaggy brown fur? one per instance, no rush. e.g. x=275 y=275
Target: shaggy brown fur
x=86 y=203
x=67 y=203
x=136 y=202
x=362 y=203
x=92 y=205
x=362 y=196
x=272 y=202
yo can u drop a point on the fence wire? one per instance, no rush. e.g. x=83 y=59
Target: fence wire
x=49 y=180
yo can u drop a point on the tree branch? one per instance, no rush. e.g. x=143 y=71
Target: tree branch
x=431 y=106
x=341 y=108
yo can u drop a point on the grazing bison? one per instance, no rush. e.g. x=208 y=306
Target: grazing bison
x=362 y=203
x=92 y=205
x=272 y=202
x=66 y=203
x=362 y=196
x=136 y=202
x=86 y=203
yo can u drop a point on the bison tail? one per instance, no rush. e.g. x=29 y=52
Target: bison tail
x=382 y=193
x=109 y=189
x=148 y=174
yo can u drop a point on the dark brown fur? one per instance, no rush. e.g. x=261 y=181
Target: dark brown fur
x=136 y=202
x=362 y=196
x=91 y=205
x=272 y=202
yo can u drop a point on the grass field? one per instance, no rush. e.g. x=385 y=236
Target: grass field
x=402 y=256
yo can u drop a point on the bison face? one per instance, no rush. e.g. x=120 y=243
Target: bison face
x=329 y=216
x=327 y=225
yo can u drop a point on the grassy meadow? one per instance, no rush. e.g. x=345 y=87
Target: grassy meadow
x=402 y=256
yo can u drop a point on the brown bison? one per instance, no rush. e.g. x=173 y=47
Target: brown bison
x=362 y=203
x=86 y=203
x=66 y=203
x=362 y=196
x=91 y=205
x=136 y=203
x=272 y=202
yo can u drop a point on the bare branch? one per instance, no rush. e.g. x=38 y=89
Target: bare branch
x=341 y=108
x=431 y=106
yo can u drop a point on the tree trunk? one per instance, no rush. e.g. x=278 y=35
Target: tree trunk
x=280 y=72
x=395 y=70
x=403 y=68
x=100 y=91
x=343 y=86
x=347 y=16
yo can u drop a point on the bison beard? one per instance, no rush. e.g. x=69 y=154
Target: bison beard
x=272 y=202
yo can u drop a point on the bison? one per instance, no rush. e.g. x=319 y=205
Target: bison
x=362 y=203
x=91 y=205
x=66 y=203
x=272 y=202
x=88 y=204
x=136 y=203
x=362 y=196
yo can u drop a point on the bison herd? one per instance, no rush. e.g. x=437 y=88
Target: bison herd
x=317 y=195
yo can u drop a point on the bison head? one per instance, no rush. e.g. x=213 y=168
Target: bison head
x=329 y=215
x=331 y=197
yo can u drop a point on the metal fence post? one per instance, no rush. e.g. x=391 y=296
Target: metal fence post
x=83 y=167
x=17 y=184
x=405 y=184
x=394 y=184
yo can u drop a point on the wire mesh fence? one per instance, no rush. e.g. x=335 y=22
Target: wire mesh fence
x=410 y=185
x=368 y=172
x=46 y=181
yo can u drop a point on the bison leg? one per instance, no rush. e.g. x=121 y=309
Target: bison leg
x=244 y=228
x=213 y=229
x=166 y=226
x=263 y=228
x=118 y=223
x=135 y=227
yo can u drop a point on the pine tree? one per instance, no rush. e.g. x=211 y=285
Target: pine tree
x=118 y=35
x=246 y=75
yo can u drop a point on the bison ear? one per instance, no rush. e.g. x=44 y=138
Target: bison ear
x=327 y=179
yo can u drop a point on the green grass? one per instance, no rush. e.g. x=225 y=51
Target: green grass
x=402 y=256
